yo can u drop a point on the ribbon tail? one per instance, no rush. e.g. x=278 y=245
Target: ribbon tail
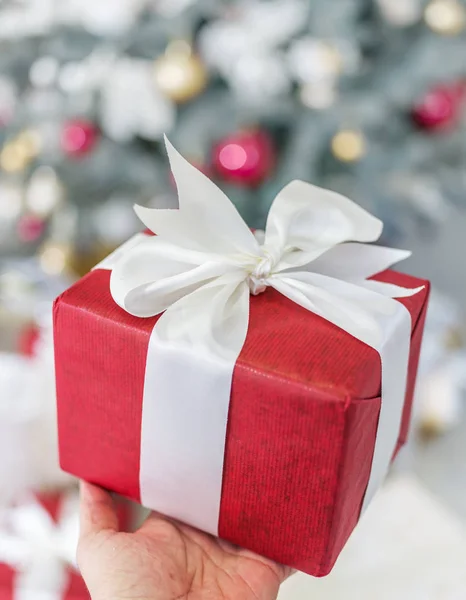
x=190 y=363
x=356 y=262
x=389 y=289
x=394 y=356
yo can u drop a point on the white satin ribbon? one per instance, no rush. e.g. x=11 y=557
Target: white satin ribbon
x=199 y=272
x=40 y=550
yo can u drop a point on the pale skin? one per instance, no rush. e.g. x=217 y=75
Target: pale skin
x=165 y=560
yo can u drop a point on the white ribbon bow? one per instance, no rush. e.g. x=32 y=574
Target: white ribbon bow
x=199 y=271
x=206 y=261
x=40 y=550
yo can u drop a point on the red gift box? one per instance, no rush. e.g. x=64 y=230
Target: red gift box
x=302 y=420
x=59 y=507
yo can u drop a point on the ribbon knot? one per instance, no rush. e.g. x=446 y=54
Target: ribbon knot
x=258 y=279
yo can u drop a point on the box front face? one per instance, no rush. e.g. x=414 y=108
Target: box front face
x=100 y=365
x=282 y=461
x=285 y=463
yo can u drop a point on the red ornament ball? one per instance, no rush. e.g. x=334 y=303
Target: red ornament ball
x=30 y=228
x=28 y=341
x=79 y=137
x=245 y=158
x=440 y=107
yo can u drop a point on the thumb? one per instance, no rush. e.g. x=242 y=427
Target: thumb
x=97 y=511
x=97 y=518
x=98 y=524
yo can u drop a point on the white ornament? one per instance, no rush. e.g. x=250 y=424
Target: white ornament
x=27 y=19
x=115 y=221
x=401 y=13
x=222 y=43
x=44 y=192
x=275 y=22
x=44 y=71
x=11 y=200
x=106 y=17
x=132 y=105
x=245 y=49
x=312 y=60
x=88 y=74
x=171 y=8
x=257 y=78
x=318 y=95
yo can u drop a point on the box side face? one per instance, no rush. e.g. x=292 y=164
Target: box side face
x=357 y=452
x=359 y=442
x=100 y=366
x=282 y=463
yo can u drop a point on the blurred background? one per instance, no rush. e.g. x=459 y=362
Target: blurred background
x=365 y=97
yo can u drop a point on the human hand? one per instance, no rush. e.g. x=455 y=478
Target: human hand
x=165 y=560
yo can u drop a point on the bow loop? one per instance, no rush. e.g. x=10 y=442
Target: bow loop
x=305 y=221
x=206 y=219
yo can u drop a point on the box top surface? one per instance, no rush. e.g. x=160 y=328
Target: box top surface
x=284 y=340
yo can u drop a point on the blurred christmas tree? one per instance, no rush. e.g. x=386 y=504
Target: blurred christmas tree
x=361 y=96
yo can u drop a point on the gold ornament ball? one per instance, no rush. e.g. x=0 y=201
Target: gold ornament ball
x=348 y=145
x=447 y=17
x=81 y=263
x=453 y=339
x=12 y=158
x=55 y=257
x=29 y=141
x=180 y=75
x=431 y=428
x=18 y=152
x=318 y=96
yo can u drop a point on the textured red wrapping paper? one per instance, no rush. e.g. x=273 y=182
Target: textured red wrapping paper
x=76 y=589
x=302 y=422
